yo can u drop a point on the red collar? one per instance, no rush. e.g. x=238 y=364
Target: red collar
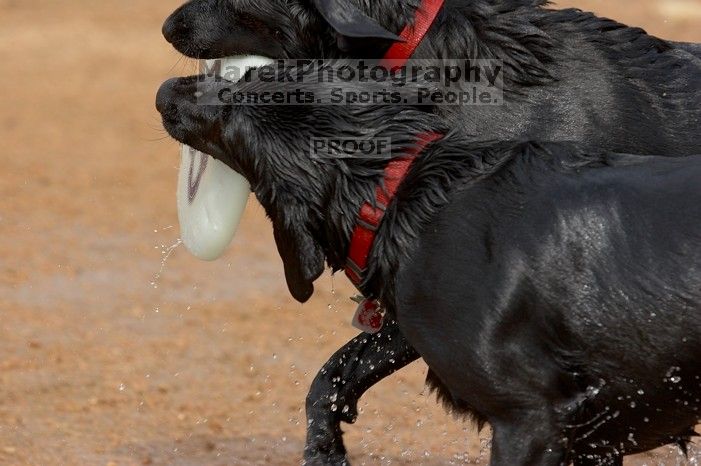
x=371 y=215
x=413 y=34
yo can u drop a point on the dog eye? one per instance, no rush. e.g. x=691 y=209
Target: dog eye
x=278 y=34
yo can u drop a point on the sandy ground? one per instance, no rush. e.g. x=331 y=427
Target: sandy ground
x=110 y=355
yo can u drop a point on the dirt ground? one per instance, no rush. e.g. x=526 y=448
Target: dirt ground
x=112 y=355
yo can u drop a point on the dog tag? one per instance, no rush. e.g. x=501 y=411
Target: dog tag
x=369 y=316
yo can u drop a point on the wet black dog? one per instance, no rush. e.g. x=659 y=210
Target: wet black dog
x=556 y=294
x=571 y=76
x=568 y=73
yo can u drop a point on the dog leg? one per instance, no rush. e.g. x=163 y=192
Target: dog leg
x=531 y=439
x=334 y=394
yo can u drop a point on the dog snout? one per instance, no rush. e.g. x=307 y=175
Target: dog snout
x=175 y=27
x=166 y=96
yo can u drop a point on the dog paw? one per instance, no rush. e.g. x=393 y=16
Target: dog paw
x=325 y=446
x=319 y=458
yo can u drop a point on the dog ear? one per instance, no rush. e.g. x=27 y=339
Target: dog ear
x=351 y=23
x=302 y=258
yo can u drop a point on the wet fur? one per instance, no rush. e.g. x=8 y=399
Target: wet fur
x=457 y=188
x=555 y=60
x=570 y=74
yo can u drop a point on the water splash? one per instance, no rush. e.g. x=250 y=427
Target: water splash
x=166 y=252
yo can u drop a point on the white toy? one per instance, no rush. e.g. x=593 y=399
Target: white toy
x=211 y=196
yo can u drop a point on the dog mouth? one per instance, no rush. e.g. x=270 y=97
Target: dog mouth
x=211 y=196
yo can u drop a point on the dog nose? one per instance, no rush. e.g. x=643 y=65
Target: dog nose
x=174 y=26
x=164 y=95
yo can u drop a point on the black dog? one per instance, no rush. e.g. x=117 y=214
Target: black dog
x=573 y=76
x=554 y=293
x=568 y=73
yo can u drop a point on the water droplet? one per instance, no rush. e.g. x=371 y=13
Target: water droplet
x=166 y=252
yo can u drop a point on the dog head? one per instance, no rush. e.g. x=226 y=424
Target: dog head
x=307 y=191
x=282 y=29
